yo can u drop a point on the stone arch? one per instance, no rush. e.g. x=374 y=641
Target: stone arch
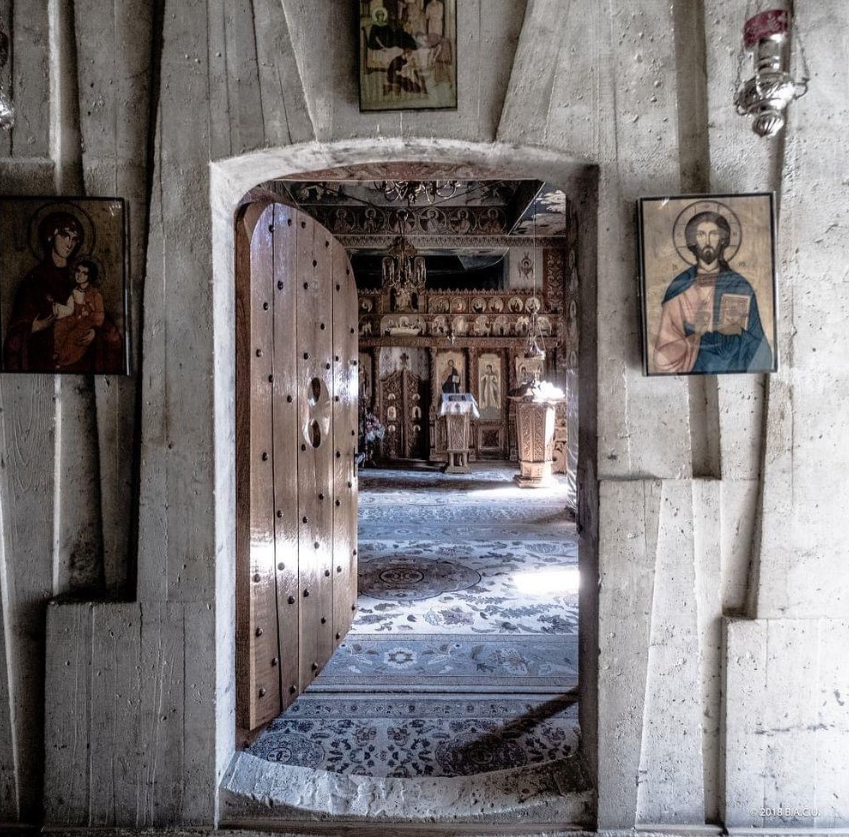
x=230 y=180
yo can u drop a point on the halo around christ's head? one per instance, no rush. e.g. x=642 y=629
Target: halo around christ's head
x=706 y=205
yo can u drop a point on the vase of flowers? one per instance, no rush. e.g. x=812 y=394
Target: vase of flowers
x=373 y=433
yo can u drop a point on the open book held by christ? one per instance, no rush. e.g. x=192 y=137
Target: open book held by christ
x=734 y=311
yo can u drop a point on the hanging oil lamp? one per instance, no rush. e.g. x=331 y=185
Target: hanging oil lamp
x=766 y=95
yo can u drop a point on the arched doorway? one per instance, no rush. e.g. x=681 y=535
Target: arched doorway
x=579 y=181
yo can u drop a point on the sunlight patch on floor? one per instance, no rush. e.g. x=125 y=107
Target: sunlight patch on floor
x=545 y=582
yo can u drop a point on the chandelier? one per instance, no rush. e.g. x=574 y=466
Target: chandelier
x=412 y=191
x=535 y=345
x=404 y=275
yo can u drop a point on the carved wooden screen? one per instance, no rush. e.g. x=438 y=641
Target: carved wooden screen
x=296 y=412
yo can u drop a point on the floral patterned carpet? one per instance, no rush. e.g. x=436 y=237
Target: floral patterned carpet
x=423 y=736
x=463 y=656
x=452 y=662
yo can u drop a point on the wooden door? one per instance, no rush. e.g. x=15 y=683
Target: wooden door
x=416 y=407
x=404 y=411
x=296 y=438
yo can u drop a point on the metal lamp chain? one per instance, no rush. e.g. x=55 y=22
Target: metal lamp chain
x=738 y=81
x=798 y=49
x=741 y=55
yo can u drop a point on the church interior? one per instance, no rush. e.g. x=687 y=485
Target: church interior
x=498 y=267
x=424 y=417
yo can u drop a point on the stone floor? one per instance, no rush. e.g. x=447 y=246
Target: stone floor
x=463 y=657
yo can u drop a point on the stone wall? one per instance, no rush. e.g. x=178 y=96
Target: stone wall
x=717 y=498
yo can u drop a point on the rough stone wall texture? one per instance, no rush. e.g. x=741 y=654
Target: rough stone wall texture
x=786 y=742
x=717 y=497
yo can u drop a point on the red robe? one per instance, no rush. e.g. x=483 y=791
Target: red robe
x=39 y=289
x=25 y=351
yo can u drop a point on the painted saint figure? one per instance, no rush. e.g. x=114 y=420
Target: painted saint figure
x=434 y=13
x=490 y=389
x=42 y=303
x=83 y=313
x=386 y=34
x=451 y=385
x=709 y=320
x=415 y=21
x=403 y=76
x=29 y=339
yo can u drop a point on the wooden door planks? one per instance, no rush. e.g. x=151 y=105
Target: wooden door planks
x=296 y=387
x=315 y=451
x=262 y=565
x=244 y=279
x=258 y=673
x=345 y=419
x=286 y=441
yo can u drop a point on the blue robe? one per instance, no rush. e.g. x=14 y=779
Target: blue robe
x=745 y=352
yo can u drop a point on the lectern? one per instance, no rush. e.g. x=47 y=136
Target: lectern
x=535 y=405
x=458 y=409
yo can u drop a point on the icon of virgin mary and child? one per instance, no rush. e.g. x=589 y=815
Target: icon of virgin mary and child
x=59 y=322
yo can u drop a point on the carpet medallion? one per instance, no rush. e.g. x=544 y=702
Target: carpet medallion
x=436 y=586
x=408 y=578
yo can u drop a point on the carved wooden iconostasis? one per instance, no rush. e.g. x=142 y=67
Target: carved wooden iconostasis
x=464 y=341
x=459 y=329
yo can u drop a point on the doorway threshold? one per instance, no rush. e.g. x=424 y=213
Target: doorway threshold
x=259 y=794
